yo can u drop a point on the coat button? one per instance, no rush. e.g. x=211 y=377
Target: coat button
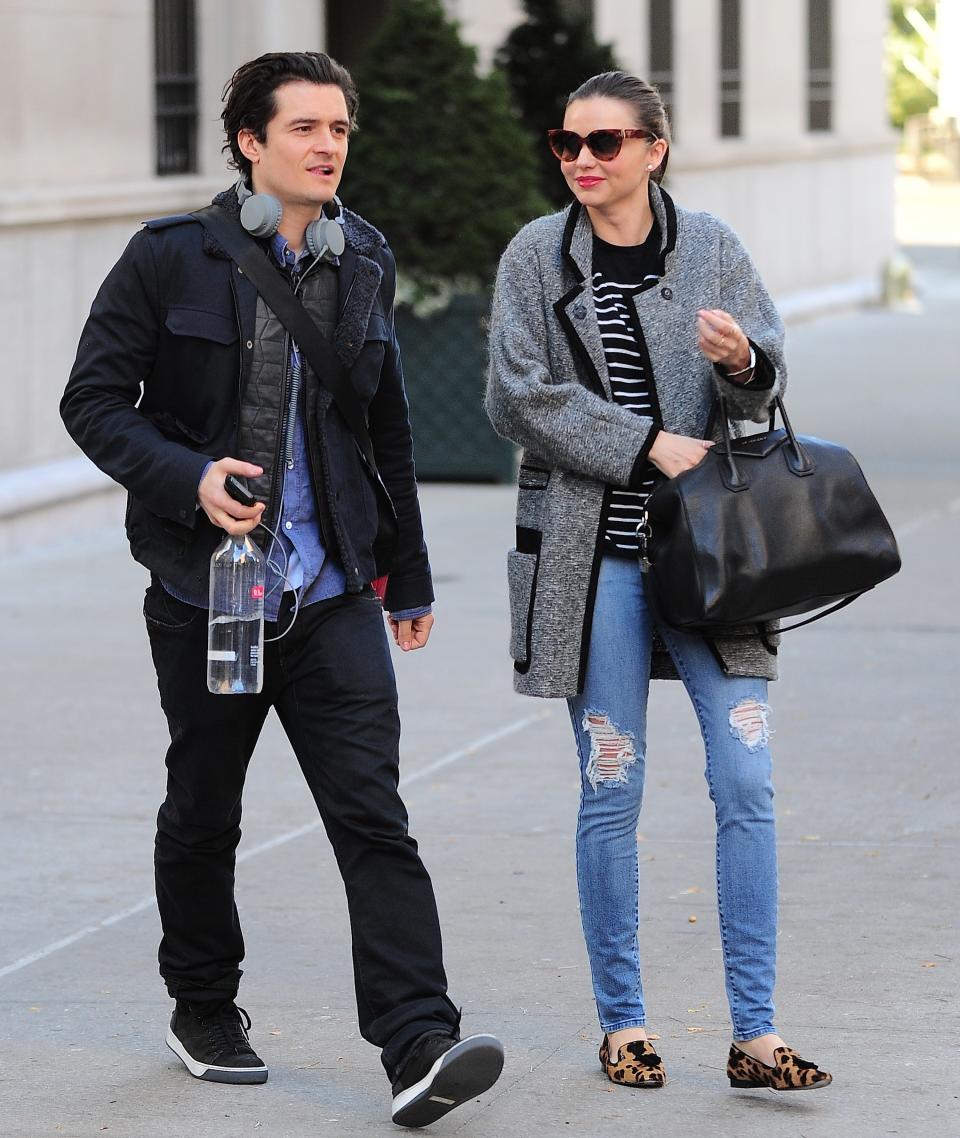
x=183 y=513
x=579 y=312
x=667 y=293
x=249 y=343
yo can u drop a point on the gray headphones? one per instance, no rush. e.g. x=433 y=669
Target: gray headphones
x=260 y=216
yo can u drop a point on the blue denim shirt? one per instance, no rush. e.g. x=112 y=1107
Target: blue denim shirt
x=296 y=557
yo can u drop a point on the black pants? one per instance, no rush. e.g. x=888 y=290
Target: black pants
x=331 y=681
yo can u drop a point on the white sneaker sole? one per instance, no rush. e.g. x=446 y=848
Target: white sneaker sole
x=212 y=1073
x=468 y=1069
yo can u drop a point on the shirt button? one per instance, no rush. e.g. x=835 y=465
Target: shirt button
x=667 y=293
x=249 y=343
x=290 y=464
x=288 y=525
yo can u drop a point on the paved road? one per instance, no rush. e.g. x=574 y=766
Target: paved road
x=866 y=753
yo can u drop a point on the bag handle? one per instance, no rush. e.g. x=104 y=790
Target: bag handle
x=797 y=458
x=286 y=306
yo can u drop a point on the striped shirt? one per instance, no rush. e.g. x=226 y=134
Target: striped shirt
x=618 y=273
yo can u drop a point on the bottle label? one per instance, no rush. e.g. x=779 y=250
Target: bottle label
x=256 y=592
x=221 y=656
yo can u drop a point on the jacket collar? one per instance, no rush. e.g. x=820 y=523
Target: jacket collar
x=360 y=236
x=577 y=243
x=358 y=279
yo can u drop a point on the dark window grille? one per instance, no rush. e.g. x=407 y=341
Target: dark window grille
x=819 y=65
x=175 y=61
x=661 y=52
x=730 y=78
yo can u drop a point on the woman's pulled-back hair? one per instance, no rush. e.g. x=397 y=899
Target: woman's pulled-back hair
x=250 y=94
x=644 y=101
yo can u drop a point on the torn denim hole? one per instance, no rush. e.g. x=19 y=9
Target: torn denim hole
x=612 y=752
x=749 y=723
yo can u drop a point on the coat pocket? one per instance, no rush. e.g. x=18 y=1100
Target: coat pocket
x=202 y=325
x=523 y=564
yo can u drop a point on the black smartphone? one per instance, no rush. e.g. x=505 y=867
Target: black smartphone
x=237 y=489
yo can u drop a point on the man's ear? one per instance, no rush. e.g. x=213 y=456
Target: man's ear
x=249 y=145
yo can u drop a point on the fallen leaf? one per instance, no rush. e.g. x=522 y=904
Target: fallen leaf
x=694 y=1030
x=276 y=1033
x=810 y=838
x=692 y=889
x=928 y=963
x=692 y=919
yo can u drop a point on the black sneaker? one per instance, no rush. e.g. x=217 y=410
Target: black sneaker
x=212 y=1042
x=442 y=1072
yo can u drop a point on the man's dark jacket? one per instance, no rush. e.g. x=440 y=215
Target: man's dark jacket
x=176 y=320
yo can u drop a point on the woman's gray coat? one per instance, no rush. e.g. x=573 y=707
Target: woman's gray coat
x=549 y=392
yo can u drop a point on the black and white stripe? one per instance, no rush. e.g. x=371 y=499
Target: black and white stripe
x=632 y=387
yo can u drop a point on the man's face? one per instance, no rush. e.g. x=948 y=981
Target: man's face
x=301 y=161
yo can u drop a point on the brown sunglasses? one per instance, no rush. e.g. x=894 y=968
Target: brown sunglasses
x=604 y=145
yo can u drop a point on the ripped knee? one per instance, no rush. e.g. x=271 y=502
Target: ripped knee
x=750 y=723
x=612 y=752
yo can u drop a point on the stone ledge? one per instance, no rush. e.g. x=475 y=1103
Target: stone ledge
x=153 y=197
x=29 y=488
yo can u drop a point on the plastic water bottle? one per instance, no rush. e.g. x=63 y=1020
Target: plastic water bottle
x=235 y=634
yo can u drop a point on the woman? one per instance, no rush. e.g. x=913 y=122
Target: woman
x=614 y=323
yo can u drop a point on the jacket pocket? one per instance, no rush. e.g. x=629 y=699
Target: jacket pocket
x=176 y=429
x=202 y=325
x=523 y=564
x=533 y=478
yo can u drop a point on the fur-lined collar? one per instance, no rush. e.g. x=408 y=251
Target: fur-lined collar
x=362 y=237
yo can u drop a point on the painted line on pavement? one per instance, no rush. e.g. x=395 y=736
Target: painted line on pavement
x=923 y=520
x=280 y=840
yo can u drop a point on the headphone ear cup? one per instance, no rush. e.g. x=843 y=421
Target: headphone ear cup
x=325 y=236
x=260 y=215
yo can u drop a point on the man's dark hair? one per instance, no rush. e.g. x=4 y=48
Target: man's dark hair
x=250 y=94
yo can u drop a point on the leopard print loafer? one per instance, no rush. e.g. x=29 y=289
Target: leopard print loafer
x=637 y=1064
x=789 y=1073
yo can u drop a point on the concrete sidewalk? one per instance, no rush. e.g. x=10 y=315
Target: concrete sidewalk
x=867 y=783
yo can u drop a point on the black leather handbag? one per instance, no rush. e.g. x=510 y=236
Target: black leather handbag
x=766 y=526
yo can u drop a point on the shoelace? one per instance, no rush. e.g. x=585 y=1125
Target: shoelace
x=227 y=1027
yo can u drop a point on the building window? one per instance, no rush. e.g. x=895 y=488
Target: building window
x=175 y=61
x=819 y=65
x=661 y=51
x=730 y=82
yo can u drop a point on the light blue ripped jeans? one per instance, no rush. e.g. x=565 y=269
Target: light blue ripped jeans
x=609 y=721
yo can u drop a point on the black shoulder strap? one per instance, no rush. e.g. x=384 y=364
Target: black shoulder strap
x=285 y=305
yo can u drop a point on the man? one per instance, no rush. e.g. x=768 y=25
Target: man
x=183 y=377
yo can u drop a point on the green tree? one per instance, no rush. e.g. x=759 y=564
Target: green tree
x=441 y=164
x=544 y=59
x=906 y=93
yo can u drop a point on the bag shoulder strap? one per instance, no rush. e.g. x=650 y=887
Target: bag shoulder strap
x=287 y=307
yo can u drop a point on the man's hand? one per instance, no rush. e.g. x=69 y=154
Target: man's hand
x=409 y=635
x=674 y=454
x=220 y=508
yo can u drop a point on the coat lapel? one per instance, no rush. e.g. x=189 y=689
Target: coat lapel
x=575 y=309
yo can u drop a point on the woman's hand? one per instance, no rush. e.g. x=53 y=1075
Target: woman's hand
x=721 y=339
x=673 y=454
